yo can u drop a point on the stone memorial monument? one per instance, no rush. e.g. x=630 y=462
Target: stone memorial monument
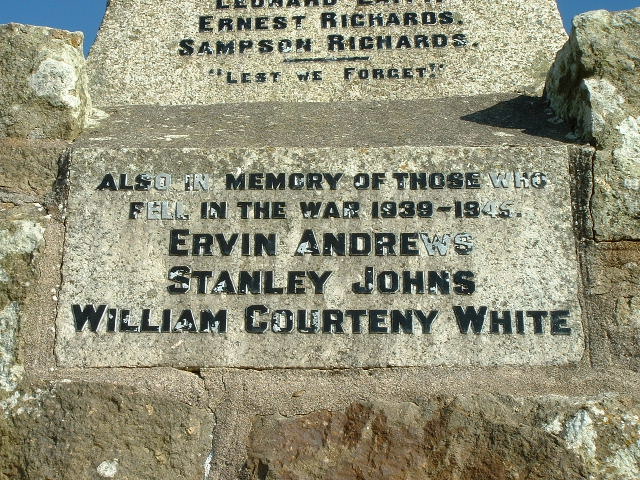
x=321 y=239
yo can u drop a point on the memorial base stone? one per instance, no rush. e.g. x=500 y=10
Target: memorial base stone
x=458 y=254
x=263 y=421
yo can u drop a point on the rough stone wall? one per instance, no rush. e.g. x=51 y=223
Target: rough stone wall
x=66 y=424
x=463 y=437
x=503 y=423
x=594 y=86
x=460 y=424
x=43 y=83
x=31 y=183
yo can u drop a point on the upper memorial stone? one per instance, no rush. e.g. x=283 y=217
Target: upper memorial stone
x=218 y=51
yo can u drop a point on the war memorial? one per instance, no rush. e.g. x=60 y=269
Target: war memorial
x=321 y=239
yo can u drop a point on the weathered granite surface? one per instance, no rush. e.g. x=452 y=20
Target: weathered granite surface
x=481 y=134
x=43 y=83
x=21 y=236
x=436 y=49
x=593 y=80
x=595 y=86
x=386 y=423
x=482 y=120
x=279 y=424
x=612 y=286
x=29 y=167
x=499 y=423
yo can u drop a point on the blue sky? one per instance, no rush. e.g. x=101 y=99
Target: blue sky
x=86 y=15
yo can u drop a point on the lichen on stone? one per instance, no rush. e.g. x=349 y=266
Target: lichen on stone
x=56 y=82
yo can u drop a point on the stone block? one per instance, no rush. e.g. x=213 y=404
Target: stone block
x=124 y=301
x=30 y=167
x=461 y=437
x=43 y=83
x=71 y=430
x=399 y=422
x=111 y=365
x=179 y=52
x=615 y=204
x=21 y=236
x=612 y=289
x=594 y=85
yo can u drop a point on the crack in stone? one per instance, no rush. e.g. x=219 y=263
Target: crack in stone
x=592 y=196
x=624 y=240
x=61 y=197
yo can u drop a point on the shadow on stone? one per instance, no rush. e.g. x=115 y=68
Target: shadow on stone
x=525 y=114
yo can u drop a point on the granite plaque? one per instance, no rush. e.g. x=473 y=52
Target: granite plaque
x=185 y=52
x=319 y=257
